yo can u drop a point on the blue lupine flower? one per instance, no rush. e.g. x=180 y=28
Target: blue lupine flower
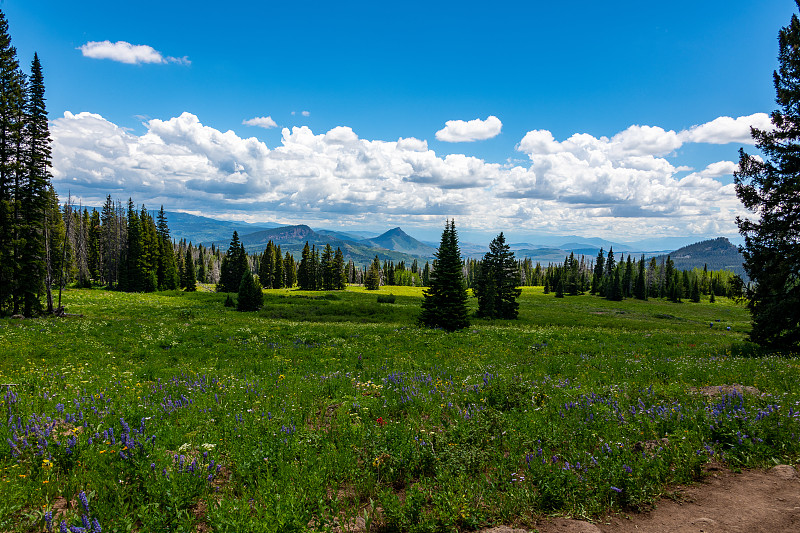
x=84 y=501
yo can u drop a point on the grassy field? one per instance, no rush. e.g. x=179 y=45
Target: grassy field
x=170 y=412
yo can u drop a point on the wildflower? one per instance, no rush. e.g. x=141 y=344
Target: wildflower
x=615 y=489
x=380 y=421
x=84 y=501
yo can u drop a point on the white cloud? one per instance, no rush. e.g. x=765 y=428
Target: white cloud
x=125 y=52
x=412 y=144
x=261 y=122
x=724 y=130
x=456 y=131
x=626 y=184
x=306 y=113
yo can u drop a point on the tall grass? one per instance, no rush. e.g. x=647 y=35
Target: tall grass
x=170 y=412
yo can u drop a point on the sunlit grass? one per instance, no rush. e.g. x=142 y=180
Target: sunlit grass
x=321 y=403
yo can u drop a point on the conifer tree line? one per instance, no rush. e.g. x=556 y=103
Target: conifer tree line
x=25 y=189
x=633 y=278
x=124 y=248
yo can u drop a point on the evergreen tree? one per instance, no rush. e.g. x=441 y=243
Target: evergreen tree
x=573 y=281
x=327 y=267
x=695 y=296
x=189 y=272
x=132 y=279
x=12 y=111
x=181 y=267
x=669 y=274
x=627 y=278
x=266 y=269
x=304 y=271
x=640 y=288
x=290 y=271
x=94 y=256
x=278 y=275
x=615 y=290
x=608 y=273
x=652 y=277
x=166 y=267
x=201 y=264
x=559 y=282
x=233 y=266
x=250 y=297
x=314 y=271
x=497 y=282
x=372 y=282
x=340 y=276
x=770 y=187
x=444 y=303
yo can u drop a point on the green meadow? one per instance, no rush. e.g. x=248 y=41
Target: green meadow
x=171 y=412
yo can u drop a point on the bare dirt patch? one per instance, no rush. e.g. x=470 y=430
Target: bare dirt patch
x=724 y=502
x=719 y=390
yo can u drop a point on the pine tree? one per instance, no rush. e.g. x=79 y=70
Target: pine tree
x=266 y=269
x=189 y=272
x=233 y=266
x=444 y=303
x=608 y=273
x=278 y=275
x=770 y=187
x=497 y=282
x=615 y=290
x=290 y=271
x=695 y=297
x=372 y=282
x=560 y=282
x=12 y=111
x=201 y=264
x=597 y=275
x=627 y=278
x=304 y=271
x=250 y=297
x=166 y=267
x=640 y=288
x=326 y=267
x=340 y=276
x=33 y=201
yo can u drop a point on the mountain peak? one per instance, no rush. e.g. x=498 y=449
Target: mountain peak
x=398 y=240
x=398 y=231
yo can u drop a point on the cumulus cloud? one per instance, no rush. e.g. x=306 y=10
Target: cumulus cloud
x=306 y=113
x=125 y=52
x=623 y=183
x=724 y=130
x=458 y=131
x=261 y=122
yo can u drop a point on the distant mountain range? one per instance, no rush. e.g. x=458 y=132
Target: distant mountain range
x=396 y=245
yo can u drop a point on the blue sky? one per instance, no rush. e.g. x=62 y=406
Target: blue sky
x=560 y=81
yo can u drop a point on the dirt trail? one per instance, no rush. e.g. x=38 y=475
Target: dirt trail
x=752 y=501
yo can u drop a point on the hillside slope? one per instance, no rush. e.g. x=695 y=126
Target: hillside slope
x=717 y=254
